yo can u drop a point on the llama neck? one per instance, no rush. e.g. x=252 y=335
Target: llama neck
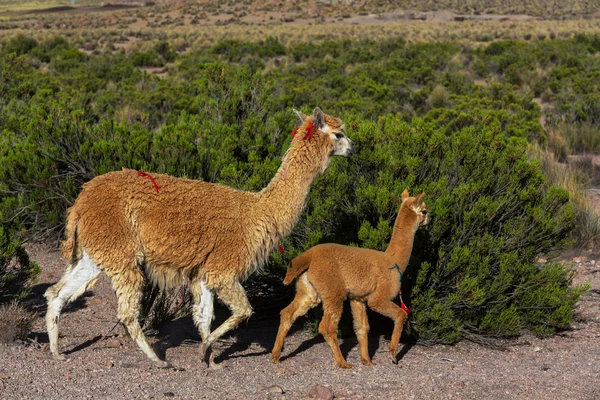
x=283 y=200
x=403 y=237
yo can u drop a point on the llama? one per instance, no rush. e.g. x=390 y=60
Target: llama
x=133 y=225
x=330 y=273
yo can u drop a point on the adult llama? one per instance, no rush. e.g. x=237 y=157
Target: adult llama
x=133 y=225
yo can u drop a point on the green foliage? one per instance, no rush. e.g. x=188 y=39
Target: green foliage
x=417 y=121
x=492 y=215
x=20 y=45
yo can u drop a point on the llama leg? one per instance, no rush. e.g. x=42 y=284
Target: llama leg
x=398 y=315
x=203 y=312
x=361 y=328
x=332 y=311
x=306 y=298
x=128 y=286
x=234 y=296
x=77 y=279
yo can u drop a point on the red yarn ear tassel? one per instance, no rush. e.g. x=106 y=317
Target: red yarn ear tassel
x=281 y=248
x=294 y=131
x=309 y=131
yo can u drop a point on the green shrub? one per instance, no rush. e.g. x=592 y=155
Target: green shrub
x=147 y=59
x=473 y=270
x=20 y=45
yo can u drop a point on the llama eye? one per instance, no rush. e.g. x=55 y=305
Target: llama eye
x=424 y=212
x=339 y=135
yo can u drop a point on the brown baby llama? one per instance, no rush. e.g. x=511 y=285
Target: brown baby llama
x=330 y=273
x=130 y=225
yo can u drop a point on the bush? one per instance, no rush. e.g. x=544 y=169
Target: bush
x=473 y=268
x=15 y=322
x=17 y=272
x=147 y=59
x=473 y=271
x=20 y=45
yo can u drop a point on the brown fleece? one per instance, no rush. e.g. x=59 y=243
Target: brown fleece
x=331 y=273
x=192 y=231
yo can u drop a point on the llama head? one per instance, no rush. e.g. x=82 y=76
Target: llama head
x=417 y=206
x=329 y=132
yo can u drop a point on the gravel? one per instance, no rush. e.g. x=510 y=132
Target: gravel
x=104 y=363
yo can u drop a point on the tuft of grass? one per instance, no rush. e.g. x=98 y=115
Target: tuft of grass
x=15 y=322
x=438 y=98
x=160 y=306
x=580 y=137
x=575 y=181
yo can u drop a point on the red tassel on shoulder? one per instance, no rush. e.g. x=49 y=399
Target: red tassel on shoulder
x=147 y=175
x=294 y=131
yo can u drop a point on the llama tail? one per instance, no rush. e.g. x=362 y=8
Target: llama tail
x=70 y=247
x=297 y=266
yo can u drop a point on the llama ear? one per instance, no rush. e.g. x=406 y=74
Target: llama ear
x=405 y=194
x=318 y=118
x=419 y=198
x=300 y=115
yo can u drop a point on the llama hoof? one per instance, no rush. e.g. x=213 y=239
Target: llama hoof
x=59 y=357
x=162 y=364
x=368 y=363
x=217 y=366
x=275 y=359
x=345 y=365
x=202 y=349
x=214 y=365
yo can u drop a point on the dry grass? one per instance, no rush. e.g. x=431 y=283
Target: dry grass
x=575 y=181
x=200 y=36
x=579 y=138
x=15 y=322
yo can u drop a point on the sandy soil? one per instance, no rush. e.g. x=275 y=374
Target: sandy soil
x=104 y=363
x=226 y=15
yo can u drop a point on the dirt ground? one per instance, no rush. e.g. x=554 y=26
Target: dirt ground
x=105 y=363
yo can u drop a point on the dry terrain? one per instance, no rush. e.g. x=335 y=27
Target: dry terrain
x=105 y=363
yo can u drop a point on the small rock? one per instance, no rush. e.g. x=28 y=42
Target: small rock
x=96 y=301
x=537 y=348
x=321 y=392
x=169 y=394
x=45 y=347
x=542 y=260
x=270 y=389
x=593 y=262
x=116 y=343
x=545 y=367
x=110 y=364
x=4 y=377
